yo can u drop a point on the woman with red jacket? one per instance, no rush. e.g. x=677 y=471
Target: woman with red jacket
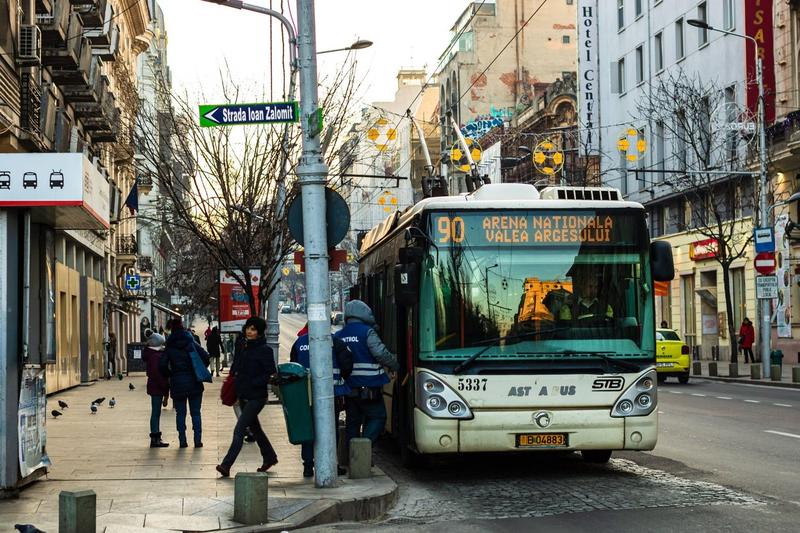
x=747 y=336
x=157 y=385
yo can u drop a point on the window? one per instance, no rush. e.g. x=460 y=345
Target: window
x=680 y=140
x=642 y=156
x=664 y=306
x=659 y=51
x=702 y=33
x=659 y=145
x=621 y=75
x=638 y=7
x=728 y=15
x=620 y=14
x=674 y=217
x=639 y=64
x=739 y=302
x=679 y=51
x=656 y=221
x=565 y=39
x=687 y=304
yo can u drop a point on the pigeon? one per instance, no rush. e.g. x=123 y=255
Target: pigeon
x=62 y=404
x=27 y=528
x=99 y=401
x=55 y=413
x=112 y=402
x=94 y=408
x=131 y=387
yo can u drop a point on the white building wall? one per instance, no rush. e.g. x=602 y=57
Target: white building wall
x=720 y=62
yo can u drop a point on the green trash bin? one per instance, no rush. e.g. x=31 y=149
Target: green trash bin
x=294 y=388
x=776 y=357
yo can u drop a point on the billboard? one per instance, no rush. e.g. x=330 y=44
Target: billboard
x=234 y=308
x=66 y=188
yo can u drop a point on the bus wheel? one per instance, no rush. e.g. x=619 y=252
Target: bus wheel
x=683 y=378
x=596 y=456
x=410 y=458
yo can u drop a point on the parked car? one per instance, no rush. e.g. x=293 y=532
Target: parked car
x=672 y=356
x=337 y=318
x=286 y=309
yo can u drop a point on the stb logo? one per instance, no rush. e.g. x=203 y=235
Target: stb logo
x=608 y=384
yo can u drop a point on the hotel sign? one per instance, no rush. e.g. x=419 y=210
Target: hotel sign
x=588 y=74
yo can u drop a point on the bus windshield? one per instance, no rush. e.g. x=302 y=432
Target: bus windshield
x=537 y=285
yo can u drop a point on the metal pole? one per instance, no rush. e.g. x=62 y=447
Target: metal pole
x=312 y=173
x=764 y=328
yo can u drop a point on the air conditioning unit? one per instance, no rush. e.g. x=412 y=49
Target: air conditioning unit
x=30 y=45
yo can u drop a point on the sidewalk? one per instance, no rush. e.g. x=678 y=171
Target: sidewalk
x=140 y=489
x=744 y=374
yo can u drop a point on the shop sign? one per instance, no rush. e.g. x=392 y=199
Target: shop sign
x=705 y=249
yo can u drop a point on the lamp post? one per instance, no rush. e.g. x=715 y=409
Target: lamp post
x=764 y=328
x=358 y=45
x=312 y=173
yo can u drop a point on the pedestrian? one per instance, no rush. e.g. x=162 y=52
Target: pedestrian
x=157 y=385
x=213 y=346
x=342 y=368
x=111 y=348
x=664 y=324
x=253 y=366
x=195 y=337
x=183 y=383
x=747 y=336
x=207 y=332
x=364 y=408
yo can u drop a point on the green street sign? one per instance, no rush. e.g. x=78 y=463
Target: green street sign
x=238 y=114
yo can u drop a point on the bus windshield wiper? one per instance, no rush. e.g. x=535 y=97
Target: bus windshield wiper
x=606 y=357
x=493 y=342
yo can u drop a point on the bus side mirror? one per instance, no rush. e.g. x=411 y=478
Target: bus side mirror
x=406 y=284
x=661 y=261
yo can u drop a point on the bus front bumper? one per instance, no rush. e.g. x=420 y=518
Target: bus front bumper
x=505 y=430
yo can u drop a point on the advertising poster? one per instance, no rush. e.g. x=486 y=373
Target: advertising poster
x=234 y=308
x=31 y=417
x=782 y=305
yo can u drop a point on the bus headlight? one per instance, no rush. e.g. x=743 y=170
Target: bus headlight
x=639 y=399
x=438 y=400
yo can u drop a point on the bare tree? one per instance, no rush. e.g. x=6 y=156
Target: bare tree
x=220 y=184
x=707 y=169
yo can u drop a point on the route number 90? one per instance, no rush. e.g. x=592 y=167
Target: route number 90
x=450 y=229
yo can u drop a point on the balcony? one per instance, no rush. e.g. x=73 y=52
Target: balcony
x=94 y=13
x=69 y=55
x=87 y=93
x=107 y=48
x=105 y=129
x=145 y=263
x=127 y=247
x=144 y=183
x=53 y=21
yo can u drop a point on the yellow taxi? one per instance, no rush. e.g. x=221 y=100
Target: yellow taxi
x=673 y=357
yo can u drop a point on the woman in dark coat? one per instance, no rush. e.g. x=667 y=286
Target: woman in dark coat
x=157 y=385
x=253 y=365
x=183 y=383
x=747 y=336
x=214 y=346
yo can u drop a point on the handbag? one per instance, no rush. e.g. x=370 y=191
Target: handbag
x=740 y=340
x=200 y=371
x=228 y=392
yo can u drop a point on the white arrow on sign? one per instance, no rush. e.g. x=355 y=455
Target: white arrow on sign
x=210 y=115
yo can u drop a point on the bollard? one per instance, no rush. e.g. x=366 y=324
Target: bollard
x=360 y=458
x=775 y=372
x=796 y=374
x=341 y=448
x=697 y=368
x=250 y=498
x=77 y=511
x=712 y=368
x=733 y=370
x=755 y=371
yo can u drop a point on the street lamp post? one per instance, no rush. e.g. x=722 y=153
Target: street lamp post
x=312 y=173
x=358 y=45
x=764 y=328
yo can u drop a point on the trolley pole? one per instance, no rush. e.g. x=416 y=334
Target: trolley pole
x=312 y=173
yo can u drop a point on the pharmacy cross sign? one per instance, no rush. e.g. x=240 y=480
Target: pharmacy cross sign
x=238 y=114
x=133 y=282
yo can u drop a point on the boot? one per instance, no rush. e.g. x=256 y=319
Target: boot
x=156 y=442
x=198 y=439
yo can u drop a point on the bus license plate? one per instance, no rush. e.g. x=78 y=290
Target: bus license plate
x=537 y=440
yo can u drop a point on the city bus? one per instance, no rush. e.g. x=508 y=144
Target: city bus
x=523 y=320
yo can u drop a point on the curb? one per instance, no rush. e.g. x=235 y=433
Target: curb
x=329 y=511
x=725 y=379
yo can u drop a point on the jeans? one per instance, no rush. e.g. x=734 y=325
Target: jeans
x=195 y=401
x=371 y=414
x=213 y=364
x=249 y=419
x=155 y=413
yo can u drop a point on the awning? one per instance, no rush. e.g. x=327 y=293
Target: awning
x=167 y=309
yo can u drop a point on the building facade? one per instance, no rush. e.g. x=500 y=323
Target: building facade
x=644 y=50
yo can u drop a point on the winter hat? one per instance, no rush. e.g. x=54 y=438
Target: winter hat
x=155 y=340
x=258 y=323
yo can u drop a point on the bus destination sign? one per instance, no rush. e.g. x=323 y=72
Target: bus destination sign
x=534 y=228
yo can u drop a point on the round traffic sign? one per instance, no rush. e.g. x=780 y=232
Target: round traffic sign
x=337 y=217
x=765 y=263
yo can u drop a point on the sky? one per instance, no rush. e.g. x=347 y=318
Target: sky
x=203 y=38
